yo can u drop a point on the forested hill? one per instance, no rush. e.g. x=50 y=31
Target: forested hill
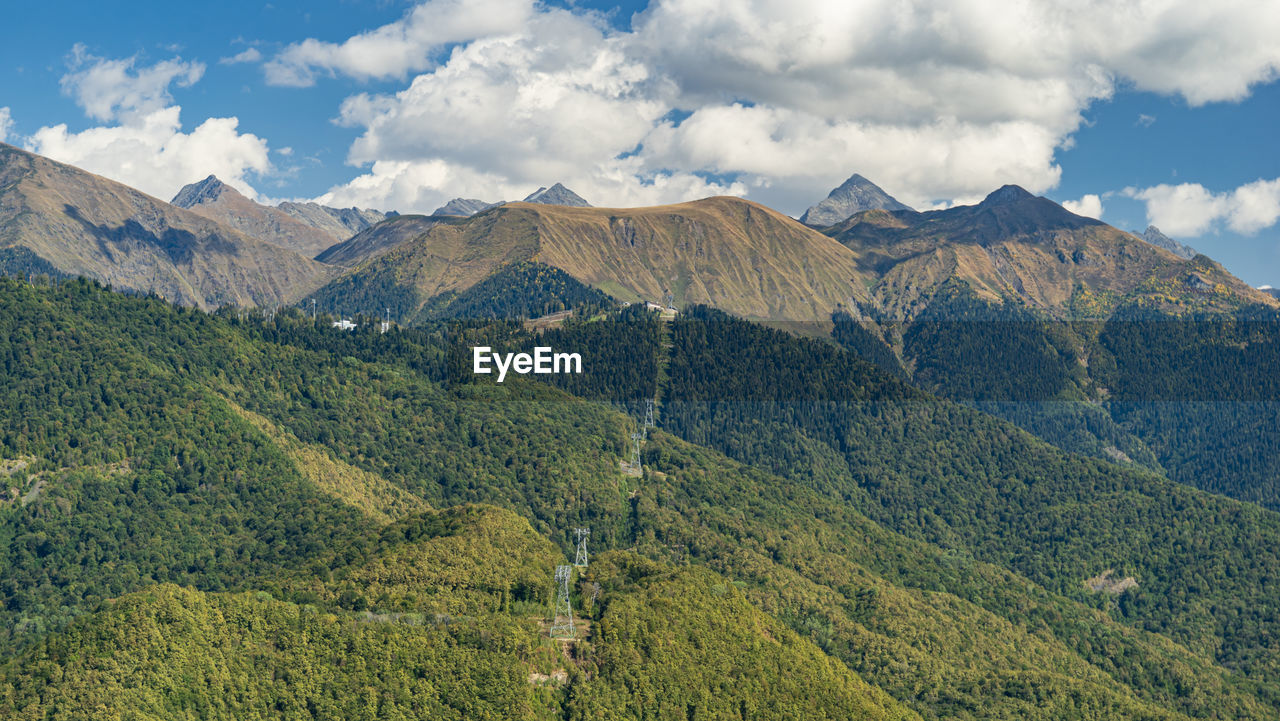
x=219 y=516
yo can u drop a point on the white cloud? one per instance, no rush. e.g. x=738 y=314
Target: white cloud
x=112 y=89
x=401 y=47
x=560 y=102
x=1189 y=209
x=6 y=124
x=146 y=146
x=937 y=100
x=1255 y=206
x=1090 y=206
x=248 y=55
x=152 y=153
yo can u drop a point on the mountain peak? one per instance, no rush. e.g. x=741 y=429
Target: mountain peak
x=206 y=190
x=853 y=196
x=1006 y=194
x=463 y=206
x=1153 y=236
x=557 y=195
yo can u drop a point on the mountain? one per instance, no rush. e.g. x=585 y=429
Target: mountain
x=557 y=195
x=229 y=516
x=1153 y=236
x=59 y=219
x=1014 y=246
x=1269 y=291
x=854 y=195
x=729 y=252
x=340 y=223
x=464 y=207
x=221 y=203
x=378 y=239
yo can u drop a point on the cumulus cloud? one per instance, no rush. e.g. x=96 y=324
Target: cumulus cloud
x=400 y=47
x=937 y=101
x=1090 y=206
x=109 y=89
x=6 y=124
x=1190 y=209
x=248 y=55
x=153 y=155
x=146 y=147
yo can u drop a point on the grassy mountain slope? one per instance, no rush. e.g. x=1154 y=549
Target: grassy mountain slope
x=378 y=239
x=82 y=224
x=1028 y=250
x=728 y=252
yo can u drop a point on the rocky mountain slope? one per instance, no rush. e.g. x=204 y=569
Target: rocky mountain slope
x=76 y=223
x=463 y=207
x=853 y=196
x=1153 y=236
x=341 y=223
x=223 y=204
x=557 y=195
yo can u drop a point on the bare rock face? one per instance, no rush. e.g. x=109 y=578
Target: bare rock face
x=1153 y=236
x=853 y=196
x=463 y=207
x=341 y=223
x=557 y=195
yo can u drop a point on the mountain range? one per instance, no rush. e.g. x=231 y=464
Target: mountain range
x=997 y=461
x=308 y=229
x=59 y=220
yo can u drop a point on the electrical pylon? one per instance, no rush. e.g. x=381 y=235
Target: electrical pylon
x=636 y=439
x=580 y=560
x=562 y=623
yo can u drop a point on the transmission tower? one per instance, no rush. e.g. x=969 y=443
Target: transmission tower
x=636 y=439
x=386 y=321
x=580 y=560
x=562 y=625
x=648 y=413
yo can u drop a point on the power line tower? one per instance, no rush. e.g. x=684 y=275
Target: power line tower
x=580 y=560
x=313 y=310
x=648 y=413
x=636 y=439
x=386 y=321
x=562 y=624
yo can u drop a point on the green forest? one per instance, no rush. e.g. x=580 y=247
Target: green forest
x=241 y=516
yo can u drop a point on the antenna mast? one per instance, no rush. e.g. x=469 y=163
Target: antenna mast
x=562 y=625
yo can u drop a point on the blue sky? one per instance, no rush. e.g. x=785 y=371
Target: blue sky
x=1167 y=117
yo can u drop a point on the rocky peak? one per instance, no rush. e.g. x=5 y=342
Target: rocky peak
x=463 y=206
x=1005 y=195
x=557 y=195
x=853 y=196
x=1153 y=236
x=205 y=191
